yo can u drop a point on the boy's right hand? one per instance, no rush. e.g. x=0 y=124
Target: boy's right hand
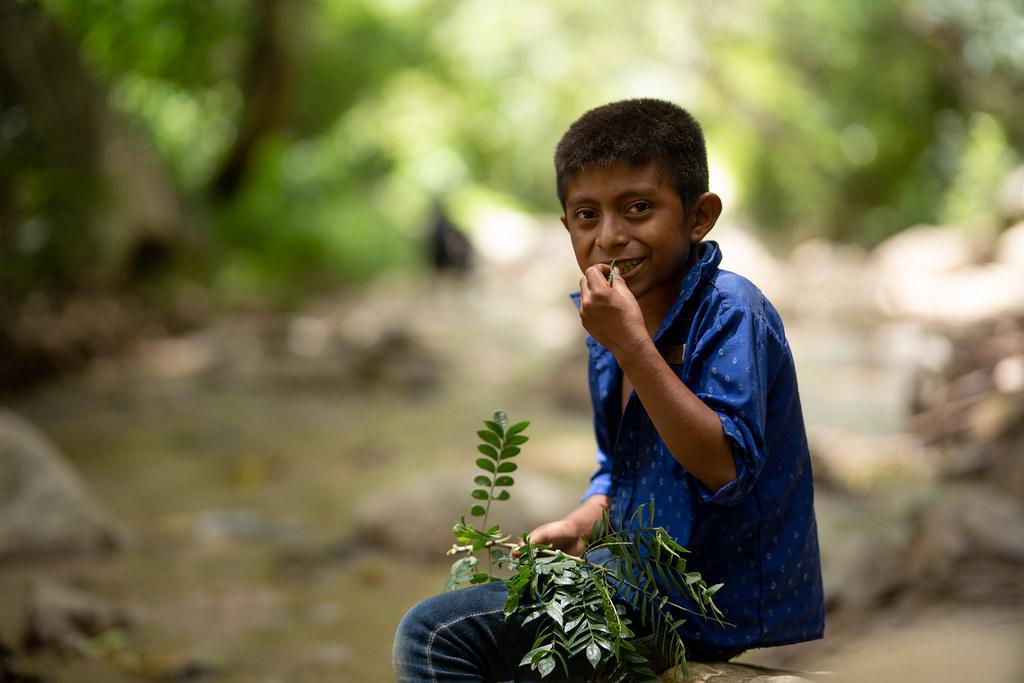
x=610 y=311
x=562 y=535
x=570 y=534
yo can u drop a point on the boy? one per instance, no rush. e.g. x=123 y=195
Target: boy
x=695 y=406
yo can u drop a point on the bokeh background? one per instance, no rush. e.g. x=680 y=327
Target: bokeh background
x=265 y=265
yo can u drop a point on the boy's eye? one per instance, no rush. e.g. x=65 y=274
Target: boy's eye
x=586 y=214
x=639 y=207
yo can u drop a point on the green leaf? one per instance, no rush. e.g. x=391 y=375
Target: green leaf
x=485 y=464
x=509 y=452
x=478 y=511
x=489 y=451
x=546 y=666
x=504 y=466
x=495 y=427
x=570 y=625
x=517 y=427
x=483 y=481
x=489 y=437
x=515 y=440
x=502 y=496
x=480 y=494
x=554 y=610
x=481 y=577
x=504 y=481
x=534 y=653
x=461 y=571
x=593 y=654
x=501 y=418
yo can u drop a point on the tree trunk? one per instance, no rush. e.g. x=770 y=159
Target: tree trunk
x=86 y=207
x=114 y=197
x=267 y=87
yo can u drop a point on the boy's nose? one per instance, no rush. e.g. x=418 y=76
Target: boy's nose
x=612 y=235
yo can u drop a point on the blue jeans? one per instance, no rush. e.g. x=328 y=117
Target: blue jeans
x=463 y=636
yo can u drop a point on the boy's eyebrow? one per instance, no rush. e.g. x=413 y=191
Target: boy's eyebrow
x=644 y=189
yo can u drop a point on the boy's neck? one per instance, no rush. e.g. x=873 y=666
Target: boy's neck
x=657 y=303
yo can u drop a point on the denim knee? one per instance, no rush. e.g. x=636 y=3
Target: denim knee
x=413 y=632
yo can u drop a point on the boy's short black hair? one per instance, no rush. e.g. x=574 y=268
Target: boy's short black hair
x=641 y=132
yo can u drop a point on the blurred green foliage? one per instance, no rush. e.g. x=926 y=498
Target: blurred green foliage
x=847 y=120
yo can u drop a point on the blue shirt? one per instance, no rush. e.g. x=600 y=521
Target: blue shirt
x=757 y=534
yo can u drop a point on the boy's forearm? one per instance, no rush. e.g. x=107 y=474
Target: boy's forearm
x=690 y=429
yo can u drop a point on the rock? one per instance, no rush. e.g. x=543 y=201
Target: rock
x=1010 y=249
x=564 y=383
x=398 y=360
x=61 y=617
x=44 y=506
x=189 y=671
x=828 y=280
x=1010 y=199
x=11 y=671
x=729 y=672
x=1005 y=465
x=862 y=548
x=971 y=522
x=243 y=524
x=925 y=249
x=415 y=518
x=933 y=273
x=856 y=462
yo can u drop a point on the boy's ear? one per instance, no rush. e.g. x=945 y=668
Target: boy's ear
x=706 y=211
x=565 y=224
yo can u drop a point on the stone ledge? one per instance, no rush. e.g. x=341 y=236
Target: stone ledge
x=726 y=672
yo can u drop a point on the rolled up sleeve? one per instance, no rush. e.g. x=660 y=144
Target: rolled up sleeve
x=601 y=480
x=730 y=372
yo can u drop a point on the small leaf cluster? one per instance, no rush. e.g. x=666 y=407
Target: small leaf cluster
x=499 y=443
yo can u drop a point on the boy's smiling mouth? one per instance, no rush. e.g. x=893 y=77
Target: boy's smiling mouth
x=628 y=265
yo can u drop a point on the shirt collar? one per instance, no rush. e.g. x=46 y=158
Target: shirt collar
x=705 y=267
x=708 y=258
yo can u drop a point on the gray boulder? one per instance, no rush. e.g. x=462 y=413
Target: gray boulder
x=415 y=518
x=44 y=505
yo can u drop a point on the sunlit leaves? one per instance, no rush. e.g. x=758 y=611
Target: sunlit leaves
x=499 y=443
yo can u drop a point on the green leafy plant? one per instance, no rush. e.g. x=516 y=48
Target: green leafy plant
x=580 y=602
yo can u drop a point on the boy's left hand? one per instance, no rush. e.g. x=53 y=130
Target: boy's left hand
x=610 y=312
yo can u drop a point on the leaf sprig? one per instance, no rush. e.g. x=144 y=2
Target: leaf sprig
x=580 y=603
x=499 y=443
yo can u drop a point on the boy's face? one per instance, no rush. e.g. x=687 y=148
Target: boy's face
x=630 y=214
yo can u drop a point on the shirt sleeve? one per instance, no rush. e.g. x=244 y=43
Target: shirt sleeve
x=601 y=480
x=730 y=373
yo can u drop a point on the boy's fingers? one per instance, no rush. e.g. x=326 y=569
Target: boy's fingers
x=597 y=275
